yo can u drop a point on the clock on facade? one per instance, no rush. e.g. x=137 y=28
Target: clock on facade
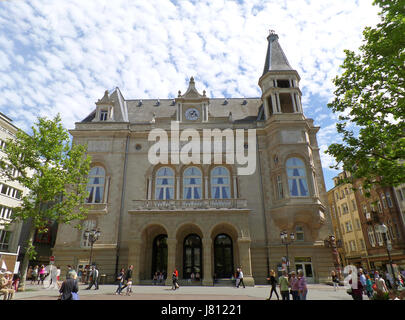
x=192 y=114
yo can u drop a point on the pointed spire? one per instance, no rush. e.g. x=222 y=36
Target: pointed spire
x=275 y=57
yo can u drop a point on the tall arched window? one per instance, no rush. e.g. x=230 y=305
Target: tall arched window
x=297 y=181
x=164 y=184
x=371 y=236
x=192 y=183
x=220 y=183
x=95 y=186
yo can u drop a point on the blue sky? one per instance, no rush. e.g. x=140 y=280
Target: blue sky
x=60 y=56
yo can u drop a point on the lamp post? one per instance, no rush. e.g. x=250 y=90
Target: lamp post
x=91 y=236
x=384 y=231
x=284 y=240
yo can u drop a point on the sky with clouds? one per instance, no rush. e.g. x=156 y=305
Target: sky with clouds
x=60 y=56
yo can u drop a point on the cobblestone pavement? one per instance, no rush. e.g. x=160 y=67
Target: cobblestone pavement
x=106 y=292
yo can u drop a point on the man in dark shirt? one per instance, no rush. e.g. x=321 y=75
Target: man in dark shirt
x=128 y=276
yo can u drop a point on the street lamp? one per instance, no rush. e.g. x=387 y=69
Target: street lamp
x=284 y=240
x=91 y=236
x=384 y=231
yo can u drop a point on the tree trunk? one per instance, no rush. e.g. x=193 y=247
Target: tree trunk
x=26 y=260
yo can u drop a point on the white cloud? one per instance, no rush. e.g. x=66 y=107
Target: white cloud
x=61 y=56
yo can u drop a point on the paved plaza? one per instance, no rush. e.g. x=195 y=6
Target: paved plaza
x=106 y=292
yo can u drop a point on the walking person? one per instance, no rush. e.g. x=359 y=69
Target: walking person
x=175 y=277
x=369 y=286
x=237 y=278
x=357 y=293
x=34 y=275
x=120 y=279
x=128 y=277
x=294 y=286
x=94 y=281
x=70 y=287
x=283 y=281
x=335 y=280
x=302 y=285
x=380 y=283
x=273 y=283
x=42 y=273
x=240 y=277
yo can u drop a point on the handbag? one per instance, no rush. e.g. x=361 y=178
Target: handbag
x=75 y=296
x=349 y=291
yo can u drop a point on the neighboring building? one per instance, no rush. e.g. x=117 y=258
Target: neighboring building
x=365 y=245
x=10 y=194
x=204 y=218
x=381 y=208
x=347 y=223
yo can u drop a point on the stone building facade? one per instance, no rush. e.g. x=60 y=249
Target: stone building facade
x=204 y=218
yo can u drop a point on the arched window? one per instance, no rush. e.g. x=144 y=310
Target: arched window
x=371 y=236
x=164 y=184
x=220 y=183
x=297 y=181
x=192 y=183
x=95 y=186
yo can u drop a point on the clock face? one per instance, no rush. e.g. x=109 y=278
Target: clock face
x=192 y=114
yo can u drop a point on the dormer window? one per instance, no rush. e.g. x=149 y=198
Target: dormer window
x=103 y=115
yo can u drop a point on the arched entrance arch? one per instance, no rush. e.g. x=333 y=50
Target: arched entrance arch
x=192 y=256
x=159 y=255
x=223 y=256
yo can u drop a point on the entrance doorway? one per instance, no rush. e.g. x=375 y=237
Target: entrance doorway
x=305 y=264
x=159 y=255
x=192 y=257
x=223 y=256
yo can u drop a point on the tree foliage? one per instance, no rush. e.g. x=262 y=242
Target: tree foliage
x=55 y=173
x=369 y=99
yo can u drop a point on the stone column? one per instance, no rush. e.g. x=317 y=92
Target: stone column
x=178 y=188
x=235 y=187
x=273 y=103
x=245 y=261
x=150 y=188
x=134 y=256
x=295 y=108
x=207 y=265
x=206 y=187
x=171 y=259
x=278 y=103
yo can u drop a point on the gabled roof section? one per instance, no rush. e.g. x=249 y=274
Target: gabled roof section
x=192 y=93
x=276 y=60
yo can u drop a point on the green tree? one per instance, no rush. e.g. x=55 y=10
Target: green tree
x=369 y=99
x=55 y=172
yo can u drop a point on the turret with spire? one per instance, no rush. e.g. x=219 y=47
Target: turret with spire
x=279 y=82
